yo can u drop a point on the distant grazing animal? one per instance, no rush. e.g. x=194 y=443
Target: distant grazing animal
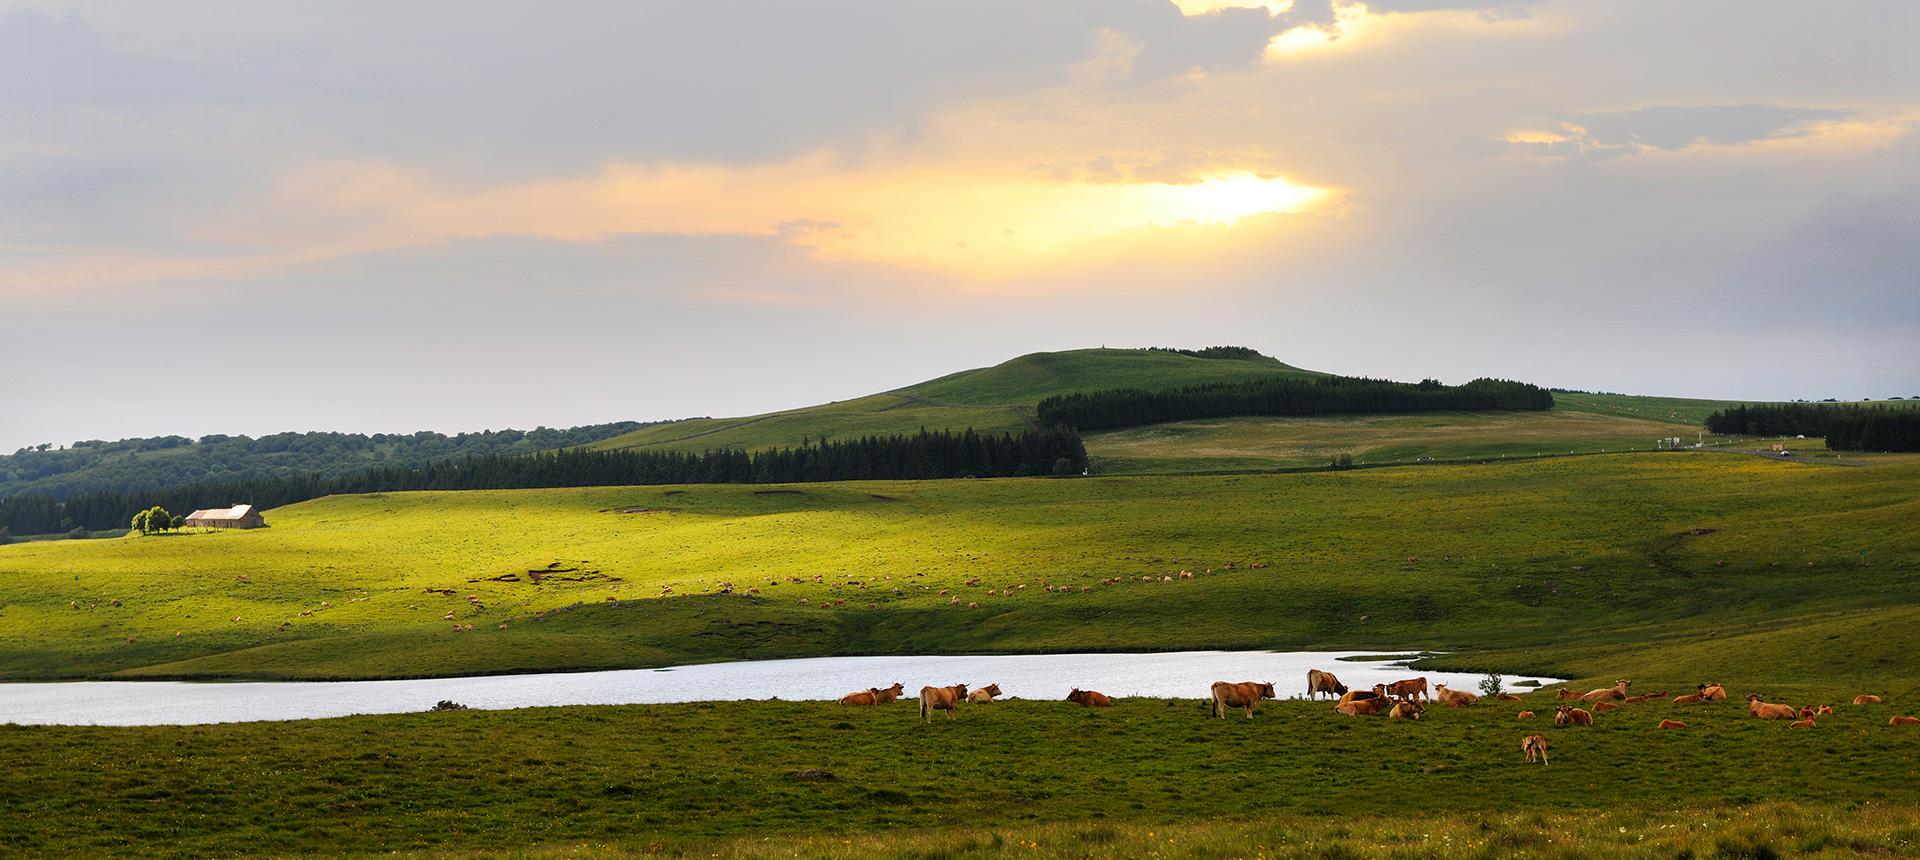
x=1713 y=692
x=1672 y=724
x=1523 y=715
x=1567 y=695
x=1411 y=688
x=1903 y=721
x=1406 y=709
x=1371 y=707
x=1807 y=712
x=1767 y=711
x=874 y=695
x=1825 y=710
x=1801 y=724
x=941 y=699
x=1454 y=698
x=1688 y=699
x=1616 y=692
x=1599 y=707
x=1089 y=698
x=1866 y=700
x=1246 y=694
x=984 y=694
x=1323 y=682
x=1646 y=697
x=1534 y=747
x=1506 y=697
x=1568 y=715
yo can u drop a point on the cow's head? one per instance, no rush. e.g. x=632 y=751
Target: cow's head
x=1338 y=688
x=1266 y=691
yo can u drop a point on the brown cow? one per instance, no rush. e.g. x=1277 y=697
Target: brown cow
x=1370 y=707
x=1523 y=715
x=874 y=695
x=1866 y=700
x=1616 y=692
x=1506 y=697
x=1672 y=724
x=1688 y=699
x=1246 y=694
x=1806 y=712
x=1089 y=698
x=1903 y=721
x=1713 y=692
x=1767 y=711
x=1406 y=709
x=984 y=694
x=1323 y=682
x=1567 y=695
x=1534 y=747
x=1568 y=715
x=1825 y=711
x=1801 y=724
x=1454 y=698
x=1378 y=691
x=941 y=699
x=1411 y=688
x=1601 y=707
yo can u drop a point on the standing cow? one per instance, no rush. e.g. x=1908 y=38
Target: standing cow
x=941 y=699
x=1323 y=682
x=1411 y=688
x=1246 y=694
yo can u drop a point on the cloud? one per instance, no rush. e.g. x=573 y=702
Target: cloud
x=1670 y=128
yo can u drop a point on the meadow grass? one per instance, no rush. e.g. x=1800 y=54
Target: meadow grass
x=1536 y=566
x=1147 y=775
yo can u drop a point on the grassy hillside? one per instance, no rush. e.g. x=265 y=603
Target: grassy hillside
x=994 y=399
x=1054 y=778
x=1547 y=562
x=1278 y=443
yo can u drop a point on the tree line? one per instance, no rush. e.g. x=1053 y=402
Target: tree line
x=924 y=455
x=1846 y=428
x=1282 y=395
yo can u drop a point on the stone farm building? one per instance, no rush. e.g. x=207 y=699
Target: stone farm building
x=236 y=517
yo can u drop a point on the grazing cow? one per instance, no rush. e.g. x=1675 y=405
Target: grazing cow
x=1616 y=692
x=1672 y=724
x=1369 y=707
x=984 y=694
x=941 y=699
x=1323 y=682
x=1246 y=694
x=1411 y=688
x=1713 y=693
x=1688 y=699
x=1406 y=709
x=1767 y=711
x=1601 y=707
x=1866 y=700
x=1090 y=698
x=1534 y=747
x=1568 y=715
x=1903 y=721
x=1523 y=715
x=1454 y=698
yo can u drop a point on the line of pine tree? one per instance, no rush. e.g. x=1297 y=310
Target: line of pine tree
x=1328 y=395
x=924 y=455
x=1846 y=428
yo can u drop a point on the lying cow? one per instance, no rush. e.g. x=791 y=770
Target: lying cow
x=1568 y=715
x=1903 y=720
x=984 y=694
x=1089 y=698
x=874 y=695
x=1616 y=692
x=1767 y=711
x=1246 y=694
x=941 y=699
x=1369 y=707
x=1323 y=682
x=1454 y=698
x=1406 y=709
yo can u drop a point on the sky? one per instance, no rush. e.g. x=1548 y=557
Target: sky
x=250 y=217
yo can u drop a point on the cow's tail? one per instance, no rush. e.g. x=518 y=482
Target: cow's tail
x=925 y=710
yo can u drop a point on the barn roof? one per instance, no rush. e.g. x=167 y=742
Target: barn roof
x=233 y=513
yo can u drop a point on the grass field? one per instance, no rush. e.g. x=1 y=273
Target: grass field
x=1279 y=443
x=1148 y=777
x=1557 y=567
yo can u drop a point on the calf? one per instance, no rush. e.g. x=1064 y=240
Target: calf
x=1534 y=747
x=1523 y=715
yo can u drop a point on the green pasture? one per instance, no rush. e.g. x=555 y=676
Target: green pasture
x=1145 y=777
x=1558 y=567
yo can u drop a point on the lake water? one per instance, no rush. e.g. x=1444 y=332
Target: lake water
x=1181 y=674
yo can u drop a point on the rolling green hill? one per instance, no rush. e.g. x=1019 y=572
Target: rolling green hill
x=1550 y=562
x=989 y=399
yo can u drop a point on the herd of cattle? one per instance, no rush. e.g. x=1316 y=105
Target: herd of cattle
x=1401 y=700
